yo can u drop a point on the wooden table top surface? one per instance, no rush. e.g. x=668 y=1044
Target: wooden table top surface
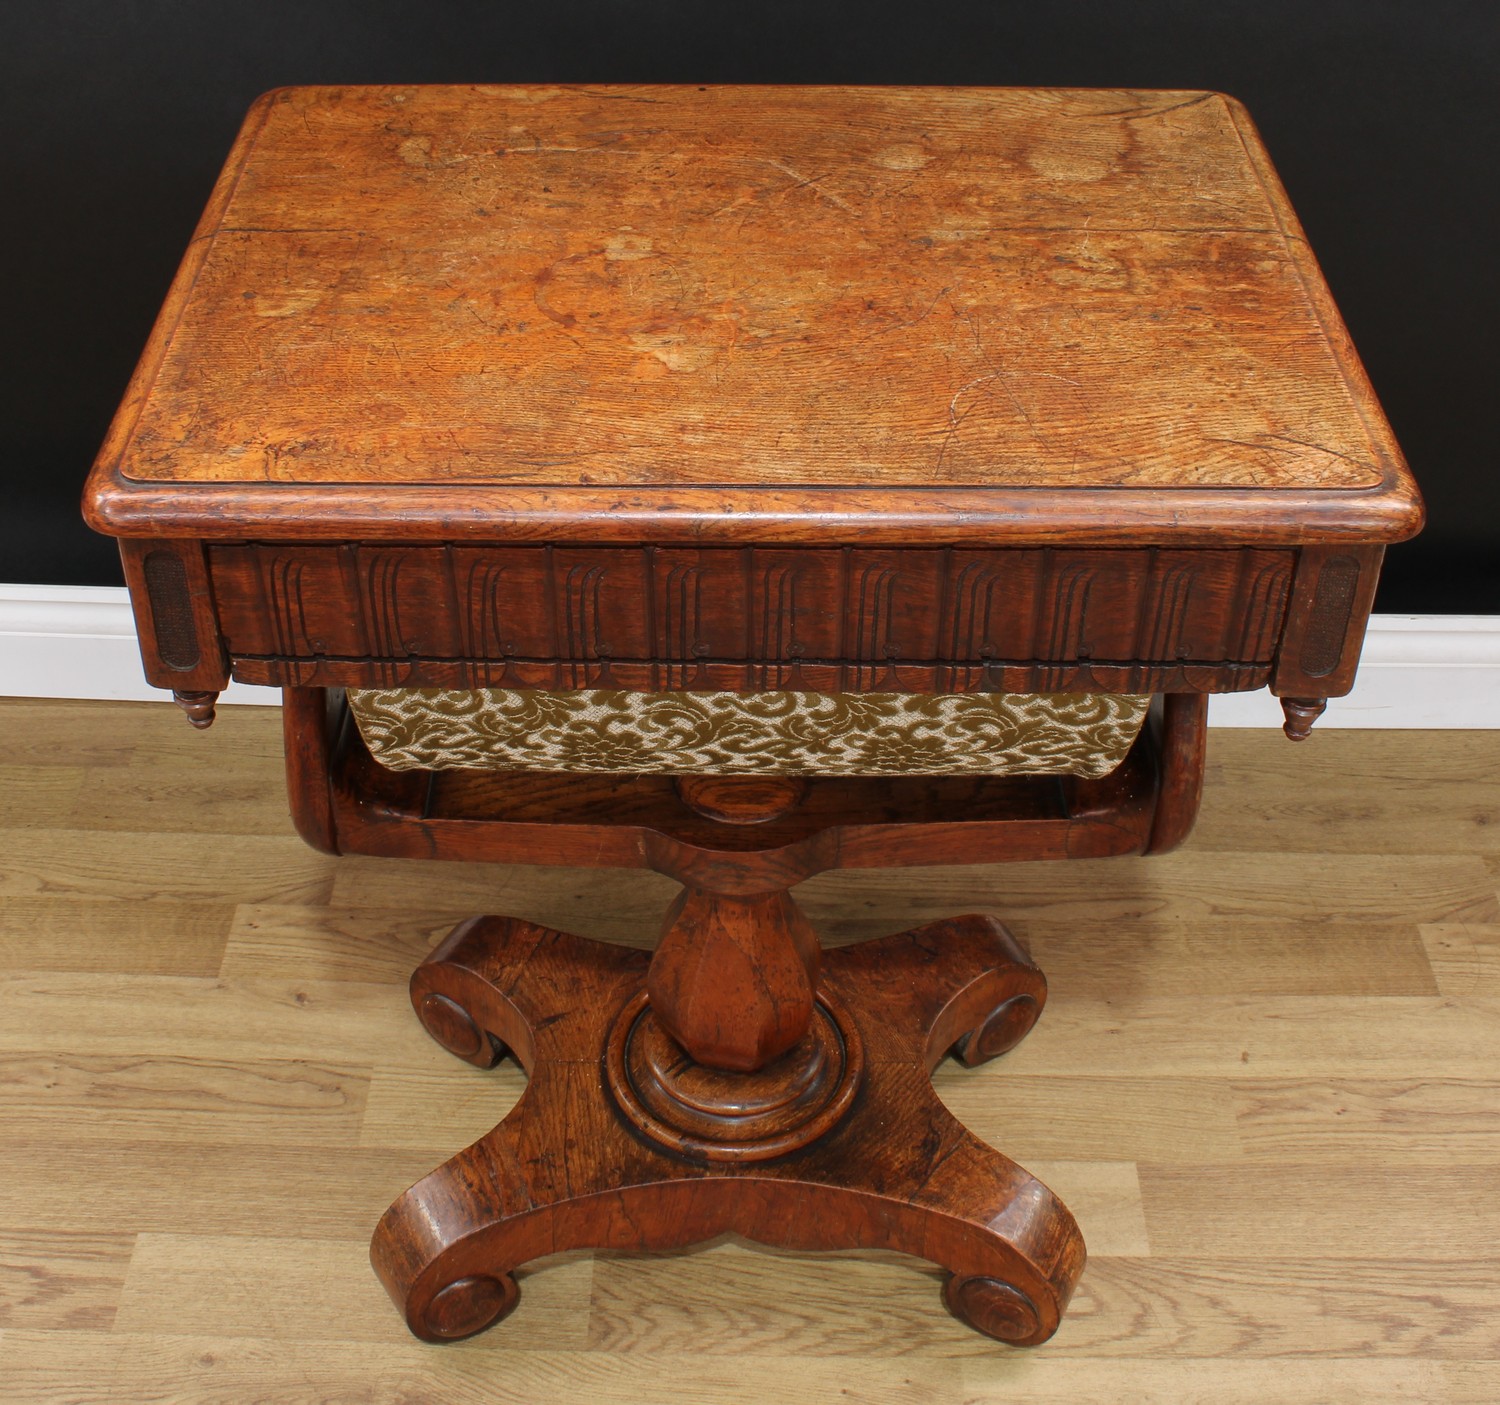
x=942 y=310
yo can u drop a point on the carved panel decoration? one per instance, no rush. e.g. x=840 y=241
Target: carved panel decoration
x=1333 y=604
x=171 y=611
x=176 y=622
x=850 y=619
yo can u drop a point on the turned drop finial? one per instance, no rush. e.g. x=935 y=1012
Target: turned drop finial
x=1301 y=713
x=198 y=706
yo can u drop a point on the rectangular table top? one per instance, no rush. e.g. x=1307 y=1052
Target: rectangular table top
x=799 y=314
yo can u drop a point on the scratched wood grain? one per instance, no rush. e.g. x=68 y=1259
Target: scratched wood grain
x=619 y=313
x=427 y=317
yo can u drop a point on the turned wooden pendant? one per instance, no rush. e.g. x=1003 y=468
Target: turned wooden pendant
x=199 y=707
x=1300 y=715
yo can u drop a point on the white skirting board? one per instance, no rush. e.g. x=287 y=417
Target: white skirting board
x=1417 y=670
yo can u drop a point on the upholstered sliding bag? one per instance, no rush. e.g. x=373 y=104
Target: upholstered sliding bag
x=782 y=733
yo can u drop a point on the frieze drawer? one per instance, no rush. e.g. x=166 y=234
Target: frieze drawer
x=666 y=615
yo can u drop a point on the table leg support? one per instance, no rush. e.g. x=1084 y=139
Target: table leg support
x=573 y=1166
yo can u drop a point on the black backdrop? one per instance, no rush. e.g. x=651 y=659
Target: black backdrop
x=1382 y=116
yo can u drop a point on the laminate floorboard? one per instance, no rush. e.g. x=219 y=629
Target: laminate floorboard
x=1266 y=1084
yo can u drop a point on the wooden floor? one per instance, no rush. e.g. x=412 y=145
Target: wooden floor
x=1267 y=1083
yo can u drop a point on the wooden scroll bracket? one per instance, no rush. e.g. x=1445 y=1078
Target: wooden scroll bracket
x=738 y=1079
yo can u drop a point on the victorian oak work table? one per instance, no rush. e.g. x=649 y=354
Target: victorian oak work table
x=809 y=391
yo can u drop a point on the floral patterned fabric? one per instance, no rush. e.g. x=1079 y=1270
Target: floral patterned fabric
x=831 y=734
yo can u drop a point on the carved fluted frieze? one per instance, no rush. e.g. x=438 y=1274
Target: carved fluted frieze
x=853 y=619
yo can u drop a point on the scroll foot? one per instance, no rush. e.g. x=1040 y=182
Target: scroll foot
x=1005 y=1027
x=468 y=1305
x=456 y=1029
x=993 y=1308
